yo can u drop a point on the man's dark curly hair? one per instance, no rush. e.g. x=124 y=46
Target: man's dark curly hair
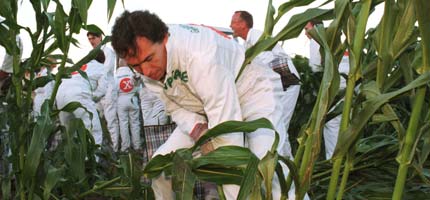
x=131 y=25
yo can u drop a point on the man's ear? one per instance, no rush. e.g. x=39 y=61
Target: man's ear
x=166 y=37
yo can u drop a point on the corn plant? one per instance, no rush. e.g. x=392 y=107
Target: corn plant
x=34 y=170
x=388 y=42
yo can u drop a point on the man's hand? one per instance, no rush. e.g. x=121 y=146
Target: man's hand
x=198 y=131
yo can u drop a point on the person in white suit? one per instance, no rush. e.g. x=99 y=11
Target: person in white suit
x=194 y=69
x=128 y=109
x=79 y=89
x=276 y=59
x=106 y=94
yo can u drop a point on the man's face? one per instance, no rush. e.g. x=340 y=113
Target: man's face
x=94 y=40
x=309 y=26
x=151 y=58
x=238 y=25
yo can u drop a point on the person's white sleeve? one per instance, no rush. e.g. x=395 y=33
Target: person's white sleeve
x=215 y=86
x=49 y=87
x=186 y=120
x=146 y=100
x=102 y=85
x=110 y=60
x=98 y=79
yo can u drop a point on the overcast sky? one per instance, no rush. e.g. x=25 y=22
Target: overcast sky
x=208 y=12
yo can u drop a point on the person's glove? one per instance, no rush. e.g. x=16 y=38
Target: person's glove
x=199 y=130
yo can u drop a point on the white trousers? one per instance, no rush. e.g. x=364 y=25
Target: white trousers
x=93 y=125
x=129 y=122
x=108 y=107
x=331 y=133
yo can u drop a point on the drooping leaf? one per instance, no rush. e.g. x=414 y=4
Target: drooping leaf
x=233 y=126
x=267 y=167
x=94 y=28
x=250 y=179
x=183 y=179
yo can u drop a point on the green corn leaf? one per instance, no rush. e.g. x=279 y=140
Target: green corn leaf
x=157 y=165
x=348 y=137
x=45 y=4
x=287 y=6
x=110 y=8
x=82 y=6
x=267 y=167
x=91 y=55
x=219 y=174
x=235 y=126
x=43 y=128
x=269 y=24
x=227 y=155
x=297 y=22
x=293 y=172
x=425 y=150
x=282 y=182
x=250 y=179
x=133 y=172
x=75 y=21
x=75 y=149
x=405 y=30
x=94 y=28
x=183 y=179
x=423 y=9
x=52 y=178
x=59 y=25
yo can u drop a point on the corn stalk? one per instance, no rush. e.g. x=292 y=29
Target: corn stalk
x=407 y=149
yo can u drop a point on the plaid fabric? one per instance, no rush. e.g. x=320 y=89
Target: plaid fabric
x=280 y=66
x=154 y=136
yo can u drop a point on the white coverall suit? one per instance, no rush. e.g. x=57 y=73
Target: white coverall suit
x=200 y=87
x=153 y=109
x=128 y=110
x=80 y=90
x=107 y=93
x=7 y=62
x=42 y=93
x=331 y=128
x=291 y=95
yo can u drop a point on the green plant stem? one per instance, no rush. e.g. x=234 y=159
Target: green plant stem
x=356 y=48
x=297 y=160
x=407 y=149
x=305 y=168
x=61 y=69
x=334 y=178
x=348 y=166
